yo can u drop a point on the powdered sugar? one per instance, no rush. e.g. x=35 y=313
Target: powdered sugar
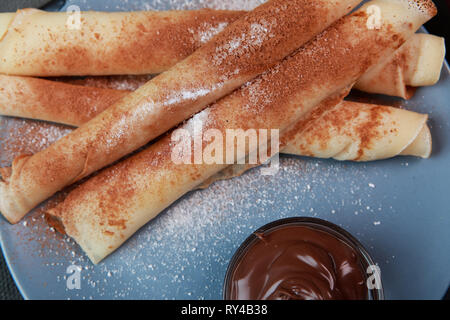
x=127 y=5
x=209 y=32
x=21 y=136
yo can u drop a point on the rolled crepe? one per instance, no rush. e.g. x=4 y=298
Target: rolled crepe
x=417 y=63
x=39 y=43
x=152 y=42
x=243 y=50
x=350 y=131
x=107 y=209
x=53 y=101
x=360 y=132
x=74 y=104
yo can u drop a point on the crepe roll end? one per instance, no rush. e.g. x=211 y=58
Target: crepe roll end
x=5 y=204
x=396 y=131
x=421 y=146
x=8 y=207
x=55 y=219
x=430 y=51
x=12 y=206
x=417 y=63
x=362 y=132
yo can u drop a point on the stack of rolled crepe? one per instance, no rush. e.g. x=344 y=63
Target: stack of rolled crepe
x=100 y=218
x=301 y=96
x=246 y=48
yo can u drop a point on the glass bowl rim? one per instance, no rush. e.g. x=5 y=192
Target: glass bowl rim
x=320 y=224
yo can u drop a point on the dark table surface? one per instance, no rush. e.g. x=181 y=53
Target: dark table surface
x=8 y=290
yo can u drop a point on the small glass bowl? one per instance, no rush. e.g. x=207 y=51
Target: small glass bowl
x=338 y=232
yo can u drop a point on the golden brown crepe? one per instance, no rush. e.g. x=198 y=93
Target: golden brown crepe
x=107 y=209
x=39 y=43
x=152 y=42
x=351 y=131
x=360 y=132
x=246 y=48
x=53 y=101
x=74 y=104
x=417 y=63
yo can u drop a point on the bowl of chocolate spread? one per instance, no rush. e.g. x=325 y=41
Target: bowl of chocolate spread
x=301 y=259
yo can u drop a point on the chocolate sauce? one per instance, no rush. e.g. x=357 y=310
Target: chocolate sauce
x=296 y=262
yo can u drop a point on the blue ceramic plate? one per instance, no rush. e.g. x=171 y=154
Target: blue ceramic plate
x=399 y=209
